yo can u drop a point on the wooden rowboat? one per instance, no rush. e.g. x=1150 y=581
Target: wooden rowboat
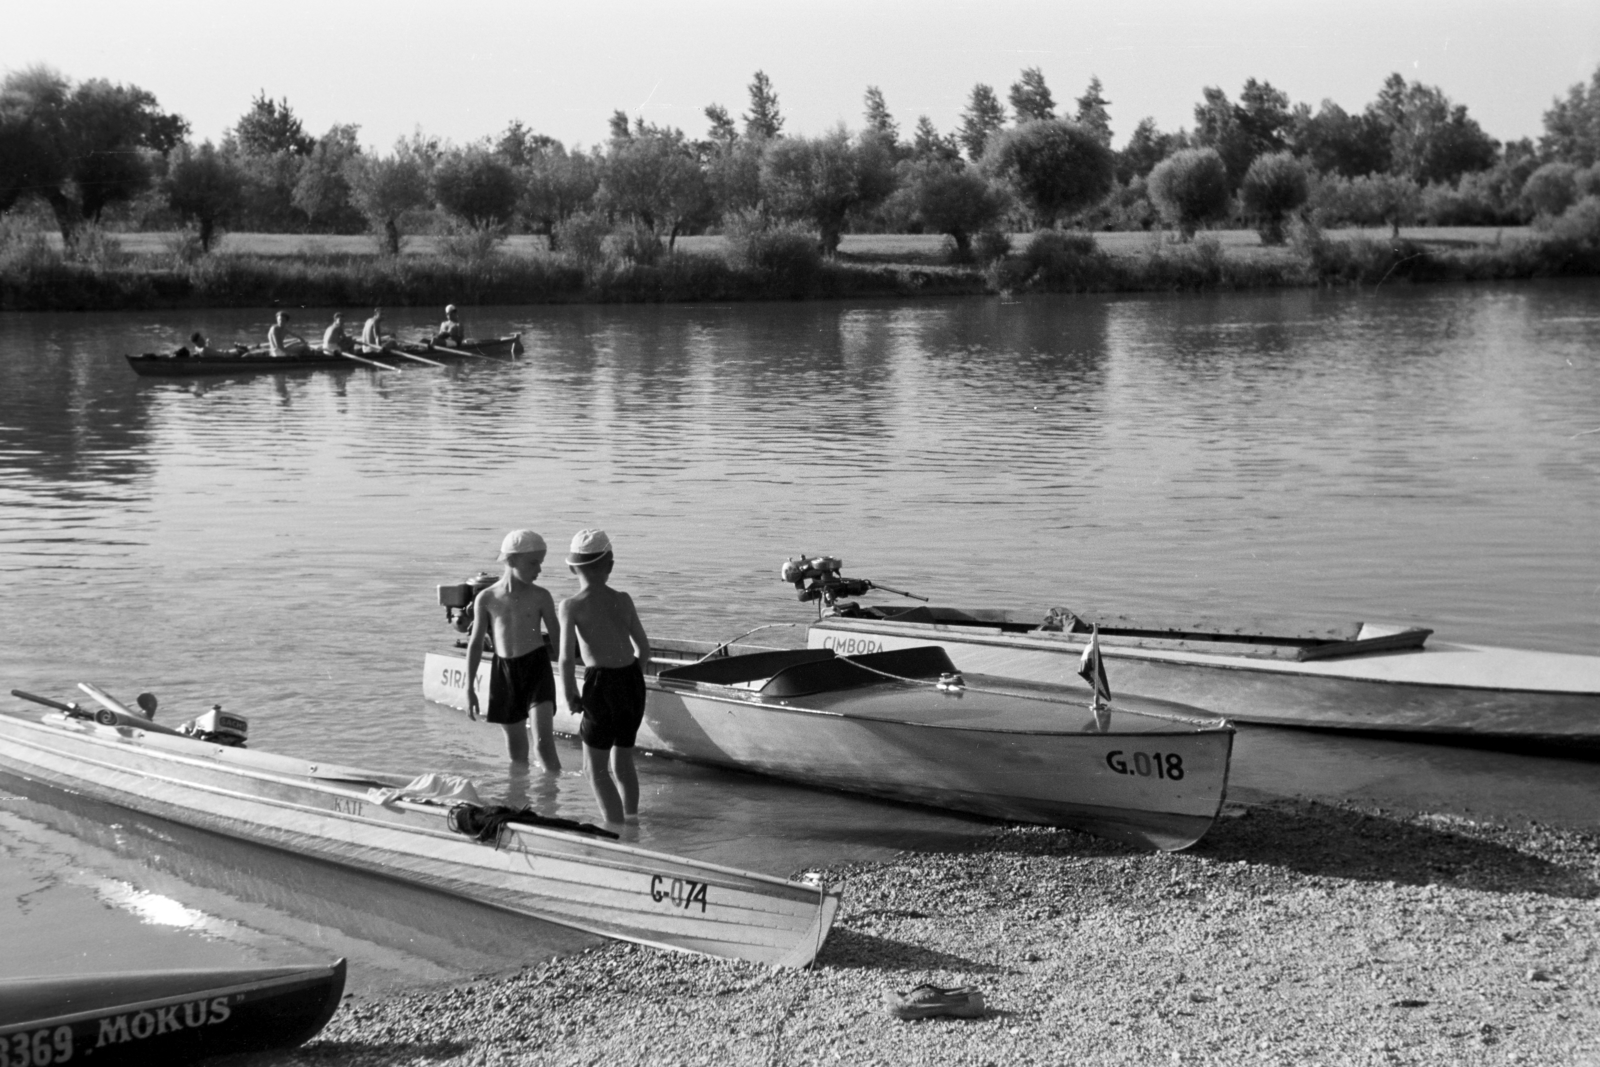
x=1147 y=772
x=345 y=816
x=257 y=361
x=166 y=1017
x=1326 y=676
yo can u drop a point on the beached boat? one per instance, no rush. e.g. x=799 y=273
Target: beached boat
x=257 y=361
x=352 y=817
x=1355 y=676
x=907 y=726
x=164 y=1017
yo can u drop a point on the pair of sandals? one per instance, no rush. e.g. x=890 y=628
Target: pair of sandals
x=927 y=1001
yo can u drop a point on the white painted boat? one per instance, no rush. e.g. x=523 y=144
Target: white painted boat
x=334 y=813
x=1147 y=772
x=1338 y=677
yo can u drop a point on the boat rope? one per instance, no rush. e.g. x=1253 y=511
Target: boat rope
x=947 y=683
x=724 y=646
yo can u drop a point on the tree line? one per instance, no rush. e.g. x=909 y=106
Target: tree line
x=93 y=151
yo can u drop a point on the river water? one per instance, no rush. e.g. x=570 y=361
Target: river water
x=1406 y=454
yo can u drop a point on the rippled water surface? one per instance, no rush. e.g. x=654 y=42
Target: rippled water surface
x=1422 y=455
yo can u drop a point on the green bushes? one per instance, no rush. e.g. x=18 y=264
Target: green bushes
x=786 y=257
x=1190 y=188
x=1275 y=185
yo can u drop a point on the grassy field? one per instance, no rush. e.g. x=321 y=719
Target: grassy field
x=920 y=249
x=267 y=269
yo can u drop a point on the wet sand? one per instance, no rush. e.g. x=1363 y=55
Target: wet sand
x=1295 y=932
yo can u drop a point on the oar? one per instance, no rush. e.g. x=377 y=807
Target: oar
x=71 y=709
x=461 y=350
x=420 y=359
x=369 y=362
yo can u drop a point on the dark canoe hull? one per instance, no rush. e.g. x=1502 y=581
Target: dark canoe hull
x=1491 y=697
x=158 y=366
x=165 y=1016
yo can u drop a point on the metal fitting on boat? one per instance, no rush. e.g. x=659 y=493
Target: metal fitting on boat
x=951 y=683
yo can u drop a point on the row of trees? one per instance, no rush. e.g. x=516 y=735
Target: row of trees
x=88 y=148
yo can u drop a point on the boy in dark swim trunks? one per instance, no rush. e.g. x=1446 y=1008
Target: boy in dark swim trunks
x=602 y=623
x=520 y=677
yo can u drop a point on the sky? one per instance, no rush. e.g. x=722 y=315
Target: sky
x=463 y=69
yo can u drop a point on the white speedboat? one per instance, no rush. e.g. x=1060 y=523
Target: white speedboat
x=1332 y=676
x=908 y=726
x=353 y=817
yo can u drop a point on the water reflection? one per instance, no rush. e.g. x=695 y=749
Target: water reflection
x=1410 y=454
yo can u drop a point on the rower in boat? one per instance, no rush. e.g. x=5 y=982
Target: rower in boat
x=372 y=339
x=452 y=332
x=278 y=338
x=334 y=340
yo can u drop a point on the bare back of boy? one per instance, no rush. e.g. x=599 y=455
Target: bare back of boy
x=602 y=624
x=607 y=627
x=513 y=610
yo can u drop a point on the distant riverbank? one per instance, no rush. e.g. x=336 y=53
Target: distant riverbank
x=135 y=271
x=1293 y=933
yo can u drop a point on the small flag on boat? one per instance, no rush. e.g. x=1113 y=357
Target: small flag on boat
x=1092 y=669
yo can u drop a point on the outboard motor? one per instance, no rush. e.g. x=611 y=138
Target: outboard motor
x=818 y=578
x=457 y=599
x=219 y=727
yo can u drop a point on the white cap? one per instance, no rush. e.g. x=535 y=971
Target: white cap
x=521 y=541
x=589 y=546
x=449 y=308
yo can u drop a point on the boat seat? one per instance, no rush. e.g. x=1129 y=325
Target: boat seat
x=852 y=672
x=812 y=670
x=741 y=670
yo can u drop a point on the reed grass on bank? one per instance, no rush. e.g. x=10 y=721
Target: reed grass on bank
x=35 y=275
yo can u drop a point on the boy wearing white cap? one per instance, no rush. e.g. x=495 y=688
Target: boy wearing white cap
x=451 y=332
x=521 y=676
x=602 y=623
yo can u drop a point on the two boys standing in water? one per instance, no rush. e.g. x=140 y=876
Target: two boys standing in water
x=598 y=622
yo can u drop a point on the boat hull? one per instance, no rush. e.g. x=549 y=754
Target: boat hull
x=166 y=1016
x=160 y=366
x=1073 y=775
x=575 y=880
x=1463 y=692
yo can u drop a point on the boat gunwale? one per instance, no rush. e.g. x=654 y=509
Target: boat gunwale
x=550 y=833
x=735 y=695
x=1326 y=668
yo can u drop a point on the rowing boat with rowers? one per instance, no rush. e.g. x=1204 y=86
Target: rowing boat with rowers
x=244 y=360
x=912 y=727
x=165 y=1017
x=1330 y=676
x=563 y=872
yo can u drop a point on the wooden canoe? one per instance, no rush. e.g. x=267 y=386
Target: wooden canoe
x=337 y=814
x=165 y=1017
x=993 y=747
x=1328 y=676
x=256 y=361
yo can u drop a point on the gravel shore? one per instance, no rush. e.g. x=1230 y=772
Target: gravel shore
x=1294 y=933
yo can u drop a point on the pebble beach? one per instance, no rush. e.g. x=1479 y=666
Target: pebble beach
x=1294 y=933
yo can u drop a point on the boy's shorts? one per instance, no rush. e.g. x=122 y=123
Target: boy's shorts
x=515 y=685
x=613 y=705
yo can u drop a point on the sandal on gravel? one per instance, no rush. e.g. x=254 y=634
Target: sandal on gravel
x=925 y=1001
